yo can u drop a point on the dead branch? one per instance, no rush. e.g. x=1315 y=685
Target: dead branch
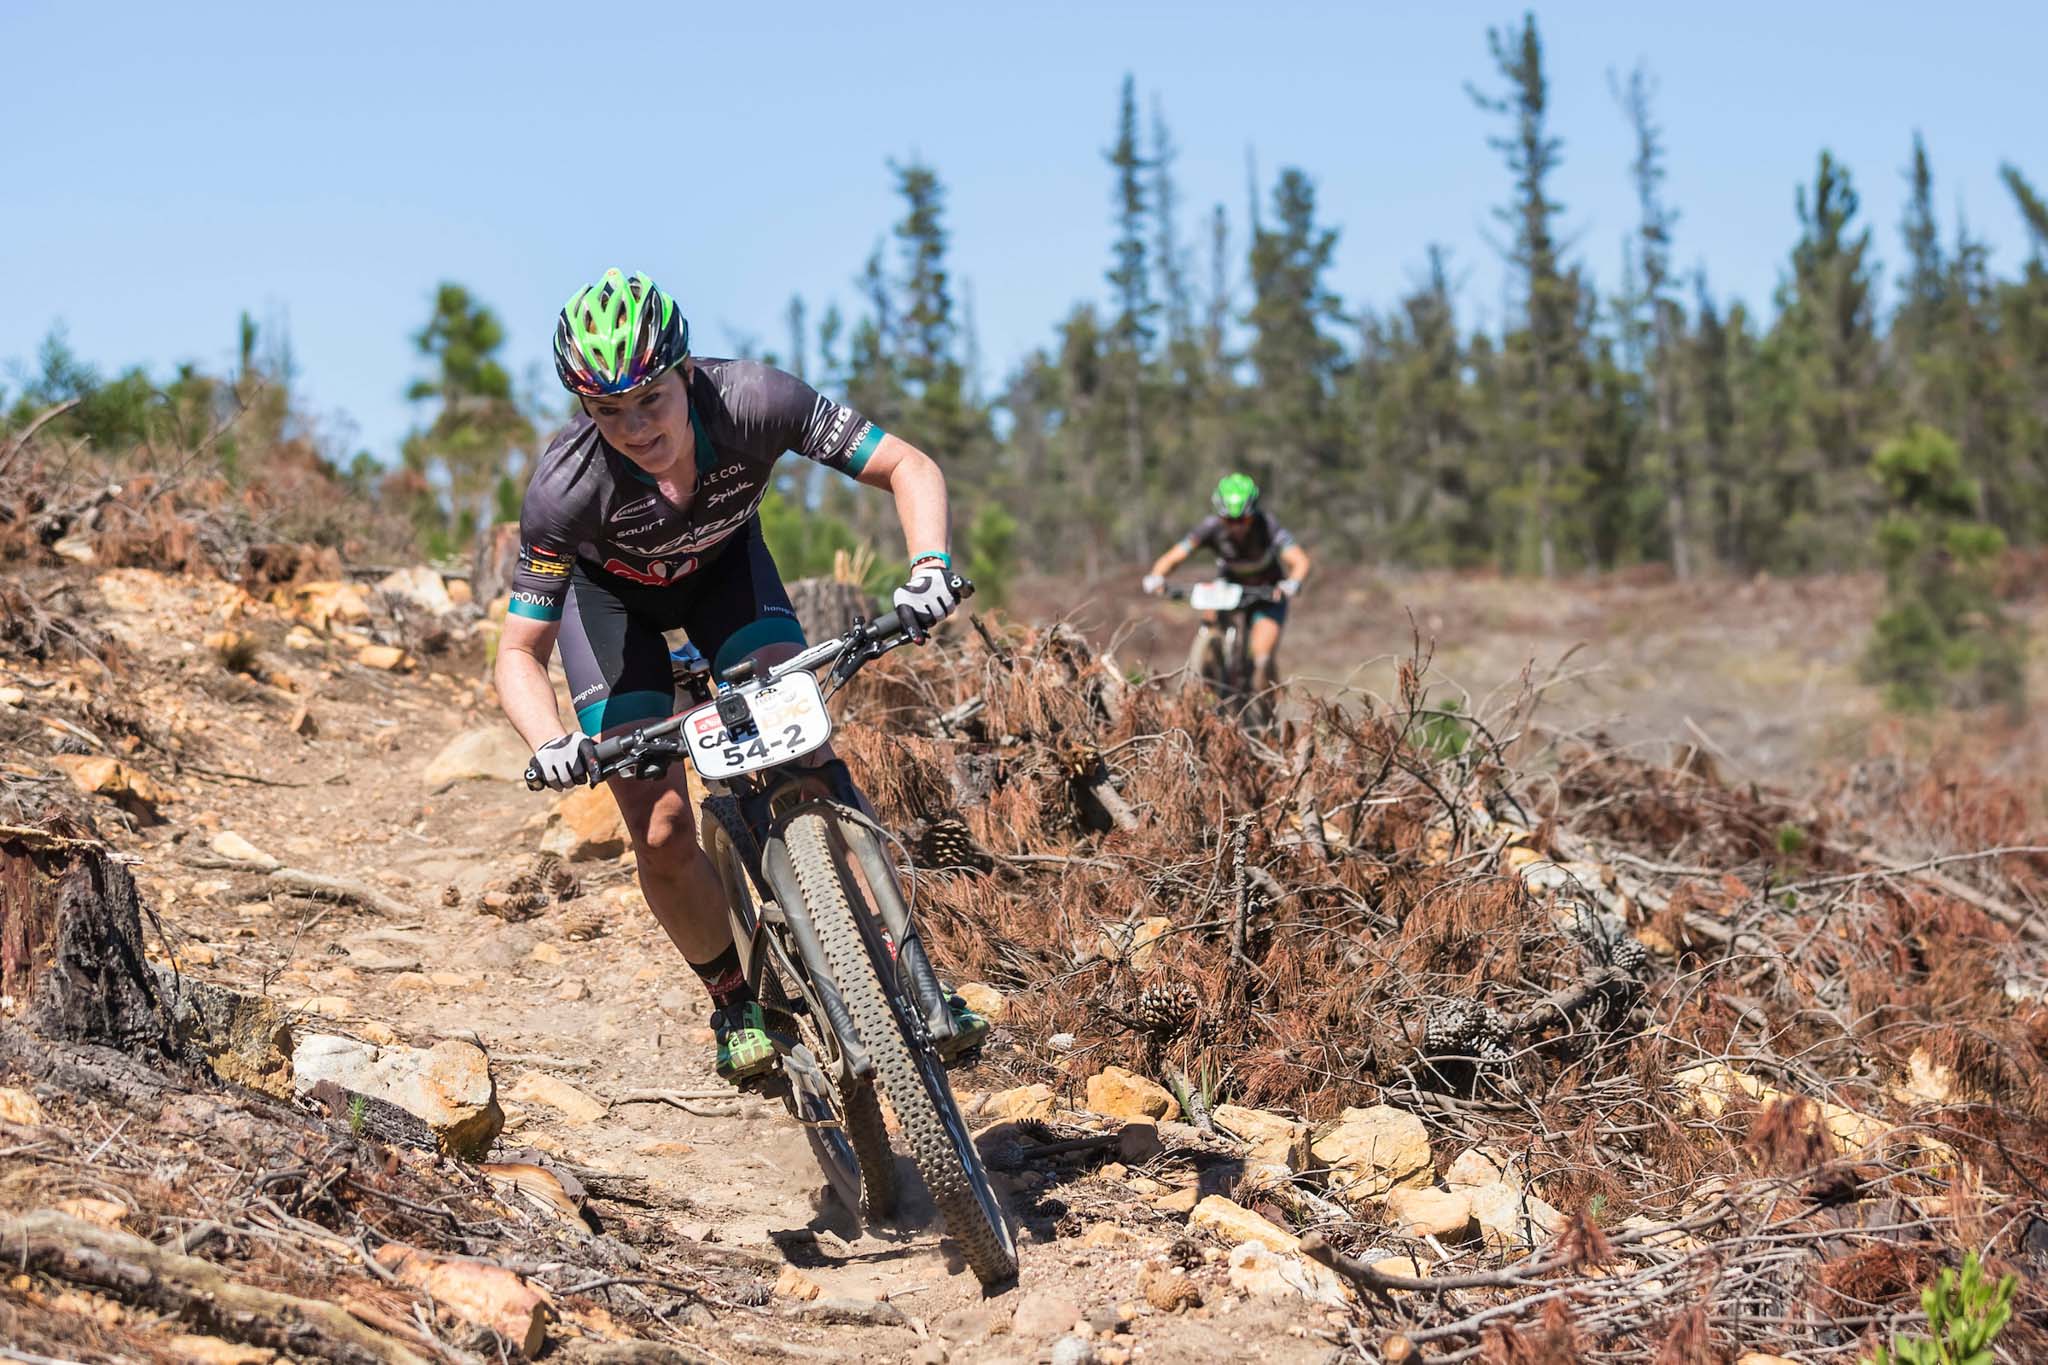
x=137 y=1272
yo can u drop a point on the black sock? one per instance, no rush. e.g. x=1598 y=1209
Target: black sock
x=724 y=979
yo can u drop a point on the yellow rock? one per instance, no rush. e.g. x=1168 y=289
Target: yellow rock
x=325 y=1006
x=1235 y=1224
x=1018 y=1103
x=18 y=1106
x=1429 y=1213
x=1474 y=1168
x=1126 y=1095
x=984 y=999
x=1712 y=1085
x=100 y=775
x=106 y=1213
x=1179 y=1201
x=389 y=658
x=1401 y=1265
x=324 y=605
x=1260 y=1272
x=412 y=981
x=1275 y=1139
x=380 y=1034
x=1133 y=941
x=539 y=1087
x=547 y=952
x=1372 y=1151
x=591 y=827
x=451 y=980
x=213 y=1351
x=794 y=1284
x=1107 y=1235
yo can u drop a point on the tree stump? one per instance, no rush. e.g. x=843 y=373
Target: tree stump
x=825 y=607
x=497 y=554
x=71 y=949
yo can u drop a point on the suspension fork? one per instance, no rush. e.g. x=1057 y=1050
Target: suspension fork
x=796 y=916
x=854 y=832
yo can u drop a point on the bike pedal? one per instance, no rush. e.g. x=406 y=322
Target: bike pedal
x=970 y=1057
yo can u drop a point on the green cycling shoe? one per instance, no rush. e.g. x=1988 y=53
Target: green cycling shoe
x=750 y=1036
x=970 y=1030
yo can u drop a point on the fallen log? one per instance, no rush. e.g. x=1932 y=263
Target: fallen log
x=198 y=1292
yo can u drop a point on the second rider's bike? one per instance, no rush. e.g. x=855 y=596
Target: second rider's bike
x=824 y=930
x=1221 y=655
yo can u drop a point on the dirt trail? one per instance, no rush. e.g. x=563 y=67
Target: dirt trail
x=587 y=992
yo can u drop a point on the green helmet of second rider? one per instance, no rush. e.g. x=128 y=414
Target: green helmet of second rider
x=1236 y=496
x=618 y=334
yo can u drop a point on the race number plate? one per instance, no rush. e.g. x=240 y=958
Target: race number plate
x=789 y=715
x=1215 y=596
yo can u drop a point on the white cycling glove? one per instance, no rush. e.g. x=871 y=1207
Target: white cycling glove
x=1289 y=586
x=927 y=598
x=1153 y=584
x=567 y=761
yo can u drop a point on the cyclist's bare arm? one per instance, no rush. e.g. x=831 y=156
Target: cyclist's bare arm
x=1176 y=555
x=919 y=487
x=1294 y=563
x=521 y=675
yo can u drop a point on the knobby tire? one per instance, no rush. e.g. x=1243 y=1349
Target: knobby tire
x=860 y=1112
x=915 y=1091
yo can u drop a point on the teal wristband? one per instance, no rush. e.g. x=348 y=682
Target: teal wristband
x=939 y=555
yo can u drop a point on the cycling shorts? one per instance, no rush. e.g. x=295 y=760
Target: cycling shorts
x=611 y=641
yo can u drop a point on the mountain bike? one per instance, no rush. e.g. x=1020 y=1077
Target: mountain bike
x=1221 y=654
x=824 y=930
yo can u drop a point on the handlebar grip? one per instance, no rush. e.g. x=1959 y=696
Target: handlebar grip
x=891 y=624
x=533 y=778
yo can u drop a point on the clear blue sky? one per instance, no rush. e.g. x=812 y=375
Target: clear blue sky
x=170 y=165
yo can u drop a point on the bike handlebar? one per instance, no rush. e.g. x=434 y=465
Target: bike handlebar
x=863 y=642
x=1250 y=594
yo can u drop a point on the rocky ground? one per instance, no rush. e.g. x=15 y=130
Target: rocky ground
x=319 y=806
x=263 y=735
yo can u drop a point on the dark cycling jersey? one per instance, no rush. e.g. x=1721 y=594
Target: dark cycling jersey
x=588 y=503
x=1244 y=554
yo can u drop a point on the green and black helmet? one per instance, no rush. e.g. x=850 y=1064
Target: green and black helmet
x=1235 y=496
x=618 y=334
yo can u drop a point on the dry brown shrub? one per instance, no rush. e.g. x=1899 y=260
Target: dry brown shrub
x=1554 y=1341
x=1689 y=1341
x=1787 y=1137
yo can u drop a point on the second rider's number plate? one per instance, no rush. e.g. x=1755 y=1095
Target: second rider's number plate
x=1215 y=596
x=790 y=720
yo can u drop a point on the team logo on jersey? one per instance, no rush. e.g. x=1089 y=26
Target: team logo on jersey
x=638 y=510
x=544 y=564
x=659 y=574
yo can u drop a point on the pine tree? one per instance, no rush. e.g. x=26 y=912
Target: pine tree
x=1828 y=332
x=1298 y=443
x=1667 y=454
x=927 y=358
x=1132 y=328
x=1541 y=421
x=1943 y=637
x=477 y=427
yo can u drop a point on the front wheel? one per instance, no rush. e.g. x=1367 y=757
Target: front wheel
x=911 y=1075
x=843 y=1125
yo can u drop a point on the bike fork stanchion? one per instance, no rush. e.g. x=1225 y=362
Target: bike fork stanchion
x=888 y=898
x=775 y=865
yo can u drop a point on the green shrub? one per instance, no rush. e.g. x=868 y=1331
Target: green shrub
x=1942 y=638
x=1965 y=1312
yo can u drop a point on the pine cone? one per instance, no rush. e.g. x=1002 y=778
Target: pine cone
x=582 y=924
x=1167 y=1010
x=947 y=842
